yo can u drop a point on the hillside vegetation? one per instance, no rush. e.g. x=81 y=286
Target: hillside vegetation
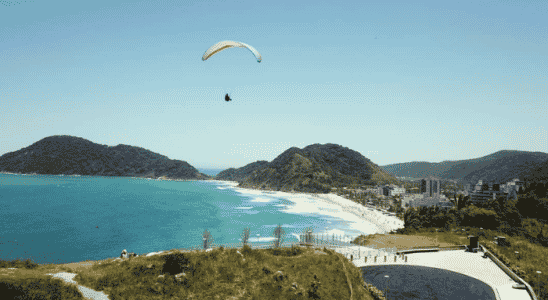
x=68 y=155
x=239 y=174
x=501 y=166
x=316 y=169
x=275 y=273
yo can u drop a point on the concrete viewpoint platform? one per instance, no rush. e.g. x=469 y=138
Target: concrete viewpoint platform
x=470 y=264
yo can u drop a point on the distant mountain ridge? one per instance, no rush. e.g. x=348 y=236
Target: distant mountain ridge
x=501 y=166
x=69 y=155
x=315 y=168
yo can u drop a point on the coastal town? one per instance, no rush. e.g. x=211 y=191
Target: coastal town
x=396 y=199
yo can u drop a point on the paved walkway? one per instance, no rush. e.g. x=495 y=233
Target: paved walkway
x=470 y=264
x=86 y=292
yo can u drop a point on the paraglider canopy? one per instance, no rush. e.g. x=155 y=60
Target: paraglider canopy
x=220 y=46
x=227 y=98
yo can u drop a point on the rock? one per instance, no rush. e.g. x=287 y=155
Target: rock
x=279 y=276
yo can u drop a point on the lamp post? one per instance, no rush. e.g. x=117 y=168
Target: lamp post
x=538 y=283
x=386 y=288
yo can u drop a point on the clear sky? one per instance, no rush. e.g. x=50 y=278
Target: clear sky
x=397 y=81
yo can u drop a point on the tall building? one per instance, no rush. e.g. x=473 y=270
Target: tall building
x=430 y=187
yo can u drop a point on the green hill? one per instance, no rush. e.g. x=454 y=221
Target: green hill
x=316 y=169
x=239 y=174
x=69 y=155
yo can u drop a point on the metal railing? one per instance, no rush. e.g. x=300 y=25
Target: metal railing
x=325 y=240
x=315 y=240
x=254 y=245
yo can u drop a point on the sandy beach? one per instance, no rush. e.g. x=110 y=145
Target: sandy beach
x=386 y=223
x=363 y=216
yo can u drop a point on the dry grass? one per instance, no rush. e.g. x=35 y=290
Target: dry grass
x=402 y=241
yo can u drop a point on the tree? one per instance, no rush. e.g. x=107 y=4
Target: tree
x=278 y=234
x=462 y=202
x=245 y=236
x=479 y=217
x=208 y=239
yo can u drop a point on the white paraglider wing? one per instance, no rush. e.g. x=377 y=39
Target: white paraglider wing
x=220 y=46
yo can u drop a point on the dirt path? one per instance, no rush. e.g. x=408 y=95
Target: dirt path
x=401 y=241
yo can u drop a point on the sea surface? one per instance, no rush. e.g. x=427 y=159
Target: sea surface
x=62 y=219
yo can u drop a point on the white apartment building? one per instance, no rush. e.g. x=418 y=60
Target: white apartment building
x=391 y=190
x=484 y=191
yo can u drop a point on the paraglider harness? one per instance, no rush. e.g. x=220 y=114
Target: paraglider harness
x=227 y=98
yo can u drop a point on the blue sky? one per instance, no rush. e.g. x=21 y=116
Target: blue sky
x=396 y=81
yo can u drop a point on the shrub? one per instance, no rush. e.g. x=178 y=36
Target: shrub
x=247 y=249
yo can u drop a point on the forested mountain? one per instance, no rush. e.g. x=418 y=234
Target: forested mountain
x=540 y=174
x=419 y=169
x=500 y=166
x=239 y=174
x=69 y=155
x=316 y=169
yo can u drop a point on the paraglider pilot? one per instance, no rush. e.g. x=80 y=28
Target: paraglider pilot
x=227 y=98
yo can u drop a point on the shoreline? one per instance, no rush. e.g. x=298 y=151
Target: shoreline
x=370 y=215
x=109 y=176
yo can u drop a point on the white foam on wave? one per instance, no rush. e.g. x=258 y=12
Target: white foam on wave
x=261 y=200
x=244 y=207
x=248 y=192
x=260 y=239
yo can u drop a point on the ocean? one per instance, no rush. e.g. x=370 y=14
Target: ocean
x=62 y=219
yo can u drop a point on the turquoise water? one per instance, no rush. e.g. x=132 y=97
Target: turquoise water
x=53 y=219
